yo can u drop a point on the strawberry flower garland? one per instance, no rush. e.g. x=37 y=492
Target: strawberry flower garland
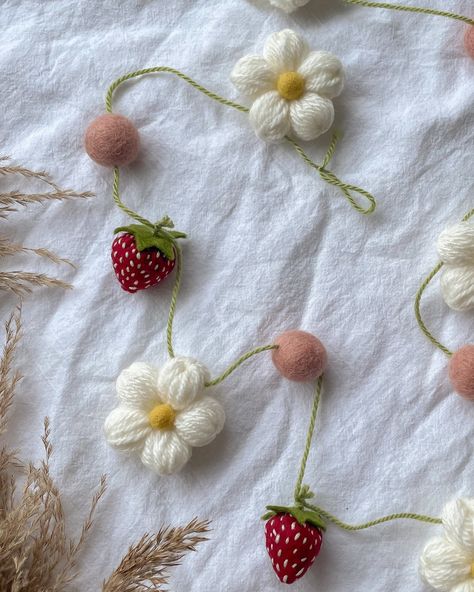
x=292 y=88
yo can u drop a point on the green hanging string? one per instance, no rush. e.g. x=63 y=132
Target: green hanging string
x=327 y=176
x=415 y=9
x=303 y=493
x=420 y=293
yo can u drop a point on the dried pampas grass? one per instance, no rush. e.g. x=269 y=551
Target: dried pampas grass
x=36 y=554
x=22 y=282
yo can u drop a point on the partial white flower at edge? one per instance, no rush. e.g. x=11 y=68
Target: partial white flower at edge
x=288 y=5
x=456 y=251
x=291 y=88
x=162 y=414
x=447 y=562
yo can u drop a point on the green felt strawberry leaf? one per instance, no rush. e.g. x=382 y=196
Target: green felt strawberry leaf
x=303 y=516
x=149 y=237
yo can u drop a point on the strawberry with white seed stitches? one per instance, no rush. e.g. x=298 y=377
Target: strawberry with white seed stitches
x=144 y=255
x=293 y=540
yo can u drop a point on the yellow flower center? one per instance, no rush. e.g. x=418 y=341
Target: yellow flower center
x=290 y=85
x=472 y=569
x=162 y=417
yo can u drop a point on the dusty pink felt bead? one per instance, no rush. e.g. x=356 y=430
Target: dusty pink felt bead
x=300 y=356
x=461 y=371
x=112 y=140
x=469 y=41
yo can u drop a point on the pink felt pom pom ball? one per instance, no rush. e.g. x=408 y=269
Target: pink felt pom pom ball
x=300 y=356
x=461 y=371
x=469 y=41
x=112 y=140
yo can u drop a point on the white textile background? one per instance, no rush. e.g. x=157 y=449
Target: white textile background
x=270 y=247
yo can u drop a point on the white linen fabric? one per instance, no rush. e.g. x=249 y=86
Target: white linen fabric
x=271 y=247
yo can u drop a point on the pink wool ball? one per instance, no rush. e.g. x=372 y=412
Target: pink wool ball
x=461 y=371
x=300 y=356
x=469 y=41
x=112 y=140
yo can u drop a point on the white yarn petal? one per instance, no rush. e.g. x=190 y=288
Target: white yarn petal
x=456 y=244
x=288 y=5
x=200 y=423
x=458 y=522
x=467 y=586
x=126 y=429
x=181 y=380
x=165 y=453
x=269 y=116
x=137 y=385
x=311 y=116
x=457 y=287
x=252 y=76
x=443 y=565
x=285 y=51
x=323 y=74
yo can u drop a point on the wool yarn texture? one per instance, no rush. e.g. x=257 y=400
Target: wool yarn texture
x=112 y=140
x=288 y=5
x=447 y=561
x=456 y=251
x=461 y=371
x=300 y=356
x=162 y=413
x=469 y=41
x=291 y=88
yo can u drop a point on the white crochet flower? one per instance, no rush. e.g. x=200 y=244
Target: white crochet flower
x=292 y=88
x=456 y=251
x=162 y=414
x=447 y=562
x=288 y=5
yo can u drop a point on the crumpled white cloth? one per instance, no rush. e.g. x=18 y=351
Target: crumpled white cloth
x=271 y=247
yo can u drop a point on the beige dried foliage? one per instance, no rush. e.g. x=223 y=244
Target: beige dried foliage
x=36 y=554
x=23 y=282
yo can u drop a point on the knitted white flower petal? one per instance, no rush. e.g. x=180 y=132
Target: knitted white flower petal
x=126 y=429
x=269 y=116
x=165 y=453
x=457 y=287
x=323 y=73
x=311 y=116
x=458 y=522
x=181 y=380
x=467 y=586
x=200 y=423
x=137 y=385
x=284 y=51
x=252 y=76
x=443 y=565
x=288 y=5
x=456 y=244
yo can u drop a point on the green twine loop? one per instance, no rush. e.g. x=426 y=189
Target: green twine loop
x=420 y=293
x=414 y=9
x=327 y=176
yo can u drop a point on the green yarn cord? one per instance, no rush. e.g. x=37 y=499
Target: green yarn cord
x=309 y=439
x=420 y=293
x=327 y=176
x=414 y=9
x=303 y=493
x=353 y=527
x=169 y=327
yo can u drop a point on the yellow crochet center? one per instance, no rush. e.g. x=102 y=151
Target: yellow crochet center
x=162 y=417
x=290 y=85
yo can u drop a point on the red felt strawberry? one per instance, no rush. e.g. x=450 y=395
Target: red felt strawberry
x=143 y=255
x=293 y=539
